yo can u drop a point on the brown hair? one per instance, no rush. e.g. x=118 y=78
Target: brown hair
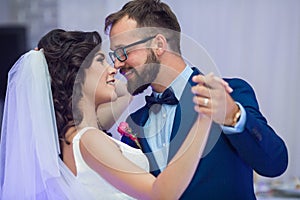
x=66 y=53
x=149 y=13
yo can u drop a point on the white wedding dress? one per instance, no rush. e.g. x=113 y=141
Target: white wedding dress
x=98 y=187
x=30 y=166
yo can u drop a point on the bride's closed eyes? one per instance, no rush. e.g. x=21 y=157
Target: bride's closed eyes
x=100 y=57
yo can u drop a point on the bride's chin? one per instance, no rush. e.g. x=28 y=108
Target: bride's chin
x=107 y=99
x=113 y=97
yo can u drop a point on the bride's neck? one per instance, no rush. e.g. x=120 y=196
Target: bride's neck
x=89 y=116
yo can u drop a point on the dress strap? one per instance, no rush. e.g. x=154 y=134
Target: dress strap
x=79 y=161
x=81 y=132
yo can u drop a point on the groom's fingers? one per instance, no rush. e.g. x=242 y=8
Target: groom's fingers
x=207 y=80
x=212 y=81
x=224 y=83
x=201 y=90
x=200 y=79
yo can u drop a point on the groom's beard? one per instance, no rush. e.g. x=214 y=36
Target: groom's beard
x=141 y=81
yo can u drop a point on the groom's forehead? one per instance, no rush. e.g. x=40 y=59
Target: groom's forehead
x=121 y=40
x=124 y=38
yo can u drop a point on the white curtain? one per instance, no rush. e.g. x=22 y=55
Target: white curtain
x=257 y=40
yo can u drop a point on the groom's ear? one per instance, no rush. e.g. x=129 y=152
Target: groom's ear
x=160 y=45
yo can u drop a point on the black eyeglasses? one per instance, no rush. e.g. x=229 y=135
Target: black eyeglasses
x=121 y=54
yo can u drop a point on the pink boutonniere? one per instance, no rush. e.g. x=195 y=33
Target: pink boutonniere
x=124 y=129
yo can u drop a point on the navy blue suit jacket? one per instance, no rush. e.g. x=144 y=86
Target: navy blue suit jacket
x=226 y=170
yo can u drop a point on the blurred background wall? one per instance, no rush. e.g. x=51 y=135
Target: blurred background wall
x=256 y=40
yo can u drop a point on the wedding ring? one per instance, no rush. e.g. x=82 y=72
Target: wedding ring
x=206 y=101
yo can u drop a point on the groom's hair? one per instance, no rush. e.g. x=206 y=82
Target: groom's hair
x=149 y=13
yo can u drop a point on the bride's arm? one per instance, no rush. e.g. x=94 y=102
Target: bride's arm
x=104 y=156
x=108 y=113
x=182 y=167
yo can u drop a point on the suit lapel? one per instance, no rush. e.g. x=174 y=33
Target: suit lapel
x=137 y=121
x=184 y=118
x=188 y=115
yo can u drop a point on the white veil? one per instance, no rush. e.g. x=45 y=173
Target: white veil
x=30 y=164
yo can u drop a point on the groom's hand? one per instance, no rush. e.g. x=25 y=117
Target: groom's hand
x=212 y=98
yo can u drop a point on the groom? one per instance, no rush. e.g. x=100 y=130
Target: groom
x=240 y=139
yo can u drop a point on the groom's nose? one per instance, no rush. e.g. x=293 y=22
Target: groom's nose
x=118 y=64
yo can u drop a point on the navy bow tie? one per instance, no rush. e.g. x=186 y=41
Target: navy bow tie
x=154 y=103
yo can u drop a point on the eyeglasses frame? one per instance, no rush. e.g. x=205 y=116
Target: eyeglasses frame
x=114 y=55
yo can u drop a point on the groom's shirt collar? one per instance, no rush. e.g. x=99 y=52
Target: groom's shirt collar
x=179 y=82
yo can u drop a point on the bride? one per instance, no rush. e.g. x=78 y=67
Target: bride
x=51 y=145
